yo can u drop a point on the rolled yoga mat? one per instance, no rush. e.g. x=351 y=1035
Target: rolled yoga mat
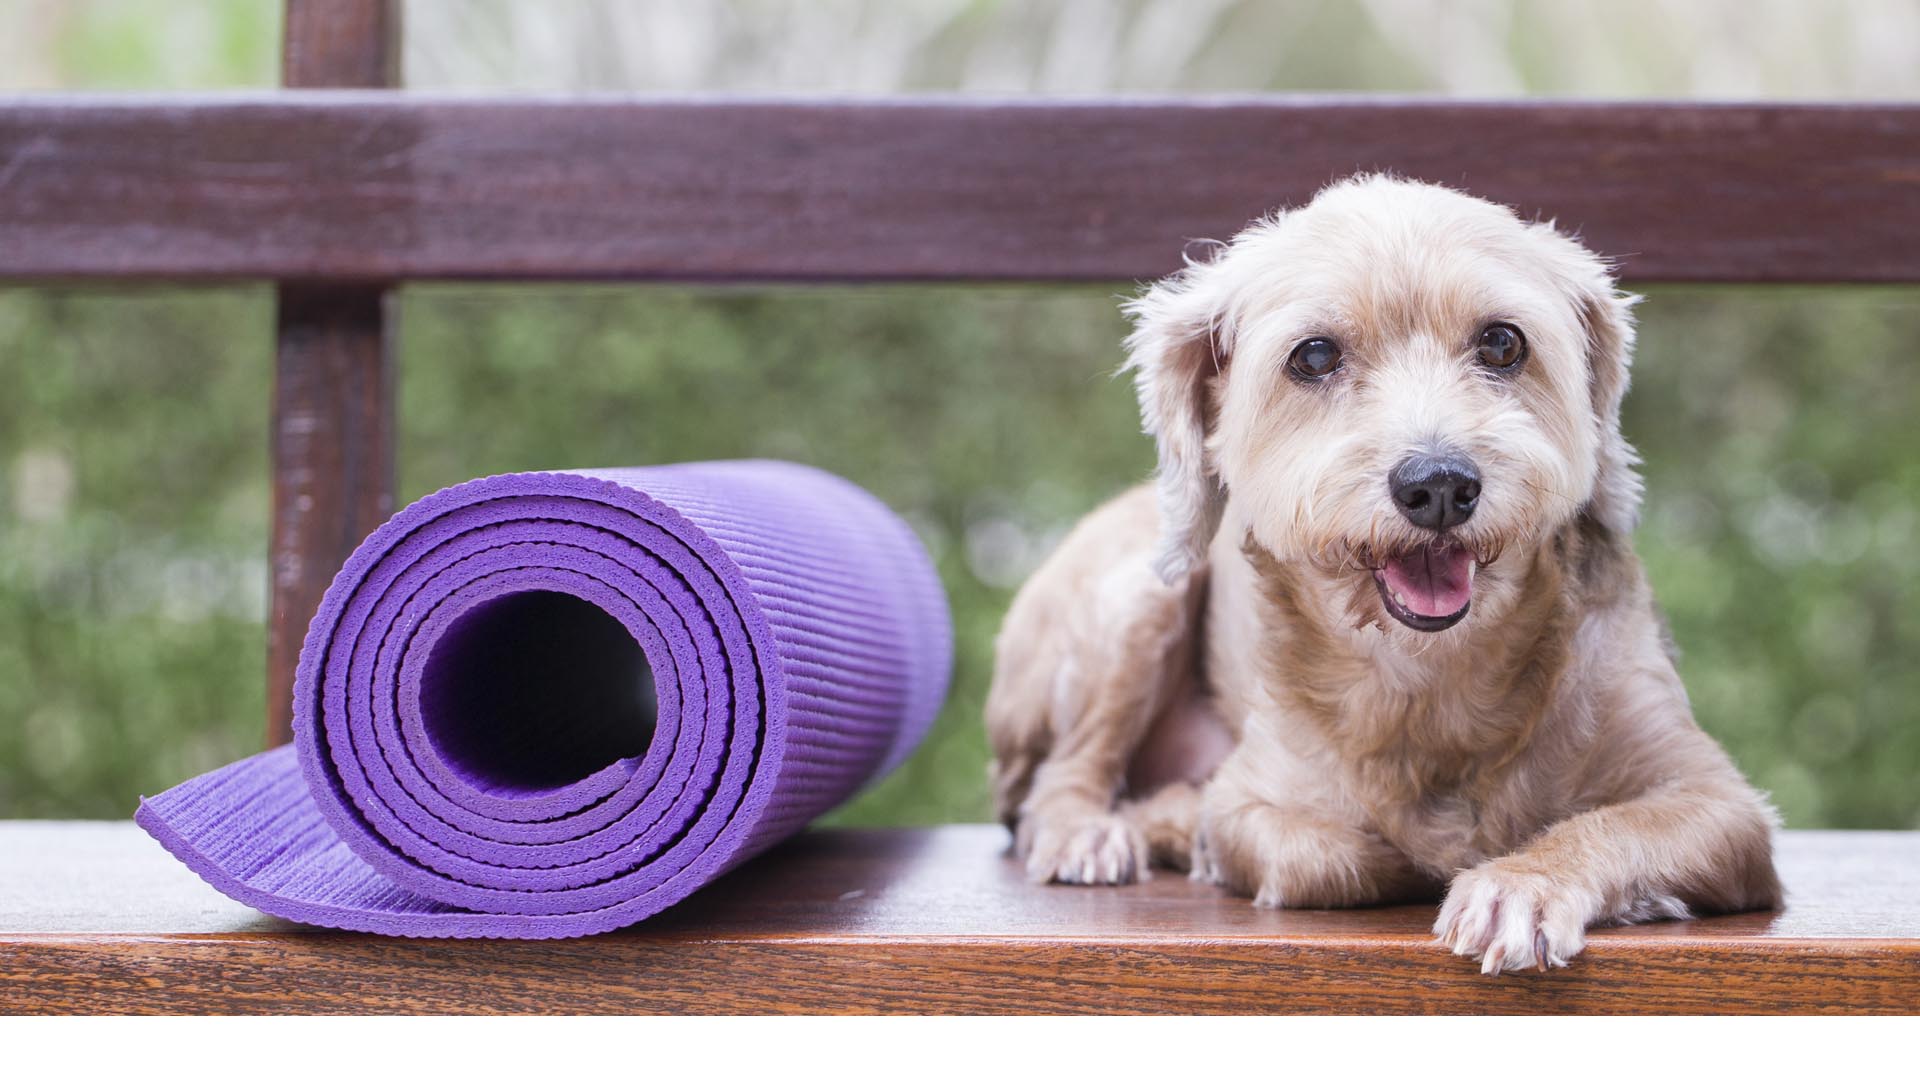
x=551 y=704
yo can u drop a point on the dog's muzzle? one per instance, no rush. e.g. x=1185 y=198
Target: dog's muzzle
x=1430 y=587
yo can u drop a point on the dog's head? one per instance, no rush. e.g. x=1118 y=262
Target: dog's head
x=1396 y=382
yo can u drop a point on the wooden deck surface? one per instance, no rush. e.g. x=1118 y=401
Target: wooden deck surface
x=94 y=917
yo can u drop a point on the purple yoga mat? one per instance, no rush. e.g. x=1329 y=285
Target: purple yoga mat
x=551 y=704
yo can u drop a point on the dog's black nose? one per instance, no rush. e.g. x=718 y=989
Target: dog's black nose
x=1435 y=491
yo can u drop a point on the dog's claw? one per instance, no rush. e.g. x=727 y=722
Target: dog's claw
x=1097 y=849
x=1512 y=920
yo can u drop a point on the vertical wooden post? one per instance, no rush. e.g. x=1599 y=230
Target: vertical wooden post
x=333 y=397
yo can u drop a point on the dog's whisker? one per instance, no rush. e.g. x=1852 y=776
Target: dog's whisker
x=1562 y=496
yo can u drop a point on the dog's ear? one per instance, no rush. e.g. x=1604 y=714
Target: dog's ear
x=1607 y=316
x=1606 y=322
x=1175 y=352
x=1608 y=325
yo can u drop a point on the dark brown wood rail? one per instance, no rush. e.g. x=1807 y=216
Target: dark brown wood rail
x=334 y=417
x=305 y=186
x=95 y=917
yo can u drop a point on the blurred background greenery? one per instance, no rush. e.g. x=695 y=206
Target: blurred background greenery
x=1783 y=459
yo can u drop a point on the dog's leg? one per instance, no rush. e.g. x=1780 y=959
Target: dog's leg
x=1093 y=650
x=1069 y=830
x=1674 y=850
x=1291 y=852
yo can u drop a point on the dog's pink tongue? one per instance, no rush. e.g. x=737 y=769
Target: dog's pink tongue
x=1435 y=580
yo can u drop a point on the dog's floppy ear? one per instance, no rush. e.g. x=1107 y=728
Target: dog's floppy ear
x=1175 y=352
x=1607 y=316
x=1606 y=321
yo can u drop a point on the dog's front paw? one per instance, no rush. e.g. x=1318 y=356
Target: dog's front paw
x=1511 y=919
x=1286 y=859
x=1224 y=855
x=1083 y=849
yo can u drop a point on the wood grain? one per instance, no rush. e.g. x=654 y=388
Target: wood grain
x=100 y=920
x=353 y=185
x=333 y=409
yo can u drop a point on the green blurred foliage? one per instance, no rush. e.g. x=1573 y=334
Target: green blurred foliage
x=1783 y=468
x=130 y=45
x=1783 y=461
x=1783 y=474
x=132 y=529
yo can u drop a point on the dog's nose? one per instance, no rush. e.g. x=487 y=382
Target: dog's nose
x=1435 y=491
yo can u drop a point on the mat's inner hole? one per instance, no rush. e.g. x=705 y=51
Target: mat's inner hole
x=535 y=690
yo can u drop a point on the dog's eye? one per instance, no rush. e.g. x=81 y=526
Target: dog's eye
x=1314 y=358
x=1500 y=346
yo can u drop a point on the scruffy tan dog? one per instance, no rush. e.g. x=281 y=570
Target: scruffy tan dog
x=1382 y=631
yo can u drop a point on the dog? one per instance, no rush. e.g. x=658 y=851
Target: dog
x=1375 y=633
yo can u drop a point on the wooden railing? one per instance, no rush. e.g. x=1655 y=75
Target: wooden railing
x=324 y=187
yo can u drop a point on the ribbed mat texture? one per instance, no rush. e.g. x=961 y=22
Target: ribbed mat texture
x=551 y=704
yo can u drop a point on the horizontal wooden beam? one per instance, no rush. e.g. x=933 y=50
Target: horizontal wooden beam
x=370 y=185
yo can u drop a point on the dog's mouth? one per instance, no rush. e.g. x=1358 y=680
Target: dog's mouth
x=1430 y=587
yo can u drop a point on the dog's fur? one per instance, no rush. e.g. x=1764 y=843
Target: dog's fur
x=1210 y=679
